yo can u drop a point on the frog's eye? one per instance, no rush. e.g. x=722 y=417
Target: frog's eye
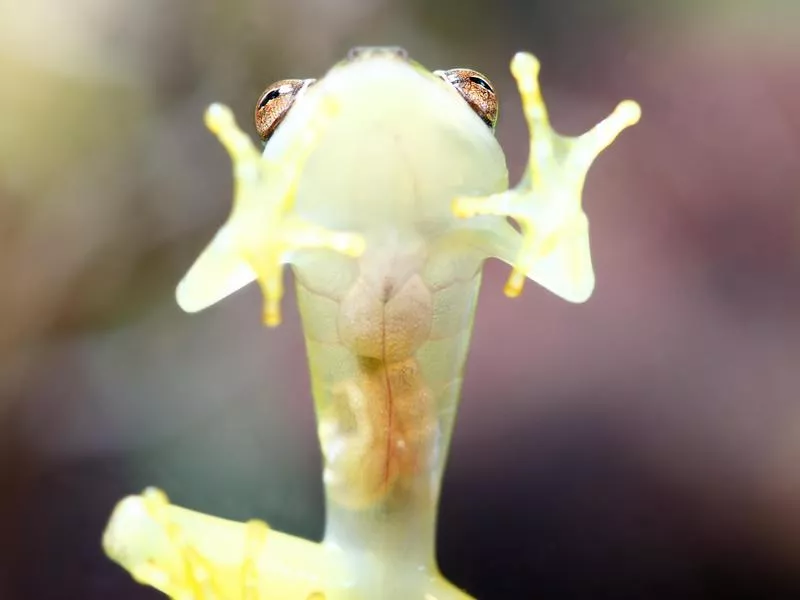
x=476 y=90
x=275 y=102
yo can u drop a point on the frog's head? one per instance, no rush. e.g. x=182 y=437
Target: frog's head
x=400 y=143
x=278 y=98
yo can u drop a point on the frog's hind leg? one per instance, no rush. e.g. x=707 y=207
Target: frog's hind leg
x=191 y=556
x=183 y=573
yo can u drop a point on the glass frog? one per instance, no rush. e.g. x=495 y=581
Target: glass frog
x=384 y=189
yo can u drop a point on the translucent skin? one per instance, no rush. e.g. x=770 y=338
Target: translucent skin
x=388 y=335
x=385 y=193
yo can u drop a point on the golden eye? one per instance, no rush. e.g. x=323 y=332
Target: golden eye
x=275 y=102
x=476 y=90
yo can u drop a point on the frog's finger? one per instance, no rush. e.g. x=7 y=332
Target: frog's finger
x=525 y=68
x=496 y=204
x=597 y=139
x=220 y=121
x=257 y=532
x=300 y=234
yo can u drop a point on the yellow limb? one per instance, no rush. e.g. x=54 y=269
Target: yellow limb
x=191 y=556
x=263 y=229
x=554 y=250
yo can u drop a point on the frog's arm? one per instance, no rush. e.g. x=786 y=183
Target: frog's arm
x=262 y=231
x=553 y=248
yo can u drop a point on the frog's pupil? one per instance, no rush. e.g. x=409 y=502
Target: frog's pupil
x=270 y=96
x=481 y=82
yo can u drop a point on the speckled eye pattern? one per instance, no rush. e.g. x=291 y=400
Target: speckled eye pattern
x=275 y=102
x=476 y=89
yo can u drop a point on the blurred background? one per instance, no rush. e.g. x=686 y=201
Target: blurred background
x=645 y=445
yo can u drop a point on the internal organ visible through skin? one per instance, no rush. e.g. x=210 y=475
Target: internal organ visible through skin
x=378 y=429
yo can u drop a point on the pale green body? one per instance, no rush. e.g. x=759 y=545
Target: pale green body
x=385 y=193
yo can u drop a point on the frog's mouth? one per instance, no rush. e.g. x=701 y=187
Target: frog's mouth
x=364 y=52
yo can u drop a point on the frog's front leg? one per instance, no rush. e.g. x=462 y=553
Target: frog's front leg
x=553 y=248
x=263 y=229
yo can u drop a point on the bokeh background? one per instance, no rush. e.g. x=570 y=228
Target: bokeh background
x=645 y=445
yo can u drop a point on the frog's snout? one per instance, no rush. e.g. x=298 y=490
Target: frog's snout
x=361 y=52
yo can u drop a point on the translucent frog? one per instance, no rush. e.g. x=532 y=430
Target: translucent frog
x=384 y=189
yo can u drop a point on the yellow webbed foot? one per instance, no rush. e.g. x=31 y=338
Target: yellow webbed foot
x=152 y=546
x=191 y=556
x=263 y=229
x=546 y=204
x=146 y=538
x=256 y=537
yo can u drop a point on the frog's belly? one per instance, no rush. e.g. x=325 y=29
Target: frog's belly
x=386 y=346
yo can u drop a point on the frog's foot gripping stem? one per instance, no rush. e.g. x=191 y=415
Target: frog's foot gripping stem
x=191 y=556
x=262 y=231
x=554 y=249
